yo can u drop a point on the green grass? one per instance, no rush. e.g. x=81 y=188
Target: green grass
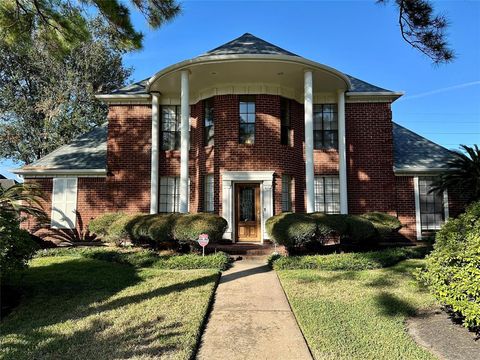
x=358 y=314
x=82 y=308
x=144 y=258
x=350 y=261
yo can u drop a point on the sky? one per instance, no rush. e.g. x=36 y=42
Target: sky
x=360 y=38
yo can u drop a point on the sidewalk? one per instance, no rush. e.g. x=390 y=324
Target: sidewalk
x=251 y=318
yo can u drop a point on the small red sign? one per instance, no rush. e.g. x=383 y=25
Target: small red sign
x=203 y=240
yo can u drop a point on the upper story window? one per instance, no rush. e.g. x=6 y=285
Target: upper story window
x=208 y=123
x=247 y=120
x=285 y=133
x=325 y=126
x=432 y=207
x=170 y=127
x=327 y=194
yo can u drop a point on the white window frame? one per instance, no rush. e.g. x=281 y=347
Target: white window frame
x=324 y=193
x=418 y=219
x=64 y=210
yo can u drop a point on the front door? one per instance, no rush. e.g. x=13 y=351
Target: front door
x=247 y=212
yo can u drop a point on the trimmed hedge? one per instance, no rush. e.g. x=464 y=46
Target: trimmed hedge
x=158 y=229
x=384 y=224
x=349 y=261
x=145 y=258
x=294 y=230
x=452 y=270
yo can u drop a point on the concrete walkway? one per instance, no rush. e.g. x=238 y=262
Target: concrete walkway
x=251 y=318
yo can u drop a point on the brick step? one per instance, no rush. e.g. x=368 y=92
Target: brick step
x=246 y=249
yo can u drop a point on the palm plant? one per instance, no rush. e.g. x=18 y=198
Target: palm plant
x=22 y=199
x=463 y=173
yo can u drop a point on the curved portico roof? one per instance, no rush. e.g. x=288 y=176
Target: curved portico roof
x=243 y=60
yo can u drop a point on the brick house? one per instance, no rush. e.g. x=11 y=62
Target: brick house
x=248 y=130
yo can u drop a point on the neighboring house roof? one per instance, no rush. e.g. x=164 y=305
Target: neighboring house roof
x=86 y=152
x=6 y=183
x=413 y=153
x=245 y=45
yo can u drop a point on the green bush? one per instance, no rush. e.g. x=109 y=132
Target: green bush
x=333 y=222
x=384 y=224
x=359 y=230
x=121 y=229
x=157 y=228
x=292 y=229
x=101 y=224
x=350 y=261
x=16 y=245
x=218 y=261
x=188 y=227
x=452 y=270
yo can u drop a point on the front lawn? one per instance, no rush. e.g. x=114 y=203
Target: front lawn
x=357 y=314
x=82 y=308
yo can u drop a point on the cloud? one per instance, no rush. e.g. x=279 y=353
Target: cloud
x=441 y=90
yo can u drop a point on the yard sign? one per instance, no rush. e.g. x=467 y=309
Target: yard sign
x=203 y=241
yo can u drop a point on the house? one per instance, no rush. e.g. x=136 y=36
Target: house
x=248 y=130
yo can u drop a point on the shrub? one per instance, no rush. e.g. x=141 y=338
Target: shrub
x=334 y=222
x=101 y=224
x=350 y=261
x=359 y=230
x=121 y=229
x=188 y=227
x=292 y=229
x=384 y=224
x=16 y=245
x=452 y=270
x=156 y=228
x=218 y=261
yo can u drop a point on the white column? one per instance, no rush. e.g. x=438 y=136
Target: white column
x=154 y=156
x=342 y=153
x=184 y=141
x=267 y=205
x=308 y=96
x=227 y=204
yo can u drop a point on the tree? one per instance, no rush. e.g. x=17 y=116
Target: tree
x=423 y=30
x=46 y=100
x=63 y=24
x=463 y=173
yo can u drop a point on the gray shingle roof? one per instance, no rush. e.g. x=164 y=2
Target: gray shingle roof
x=413 y=152
x=248 y=44
x=87 y=151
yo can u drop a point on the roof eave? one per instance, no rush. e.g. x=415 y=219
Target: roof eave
x=120 y=98
x=389 y=96
x=419 y=171
x=53 y=172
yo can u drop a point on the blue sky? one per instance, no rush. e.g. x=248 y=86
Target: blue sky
x=360 y=38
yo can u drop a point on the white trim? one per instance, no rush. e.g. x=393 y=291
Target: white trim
x=342 y=154
x=379 y=96
x=418 y=222
x=309 y=166
x=54 y=172
x=446 y=210
x=418 y=171
x=122 y=99
x=184 y=140
x=154 y=177
x=228 y=181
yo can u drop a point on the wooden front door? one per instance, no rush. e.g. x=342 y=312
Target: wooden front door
x=247 y=212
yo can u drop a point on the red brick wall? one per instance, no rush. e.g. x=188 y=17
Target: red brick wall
x=405 y=198
x=129 y=154
x=371 y=182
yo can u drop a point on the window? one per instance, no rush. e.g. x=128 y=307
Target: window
x=247 y=120
x=432 y=210
x=208 y=193
x=170 y=127
x=64 y=203
x=169 y=194
x=208 y=122
x=325 y=126
x=286 y=193
x=285 y=133
x=327 y=194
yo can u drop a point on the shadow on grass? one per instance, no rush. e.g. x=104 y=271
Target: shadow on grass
x=68 y=291
x=391 y=305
